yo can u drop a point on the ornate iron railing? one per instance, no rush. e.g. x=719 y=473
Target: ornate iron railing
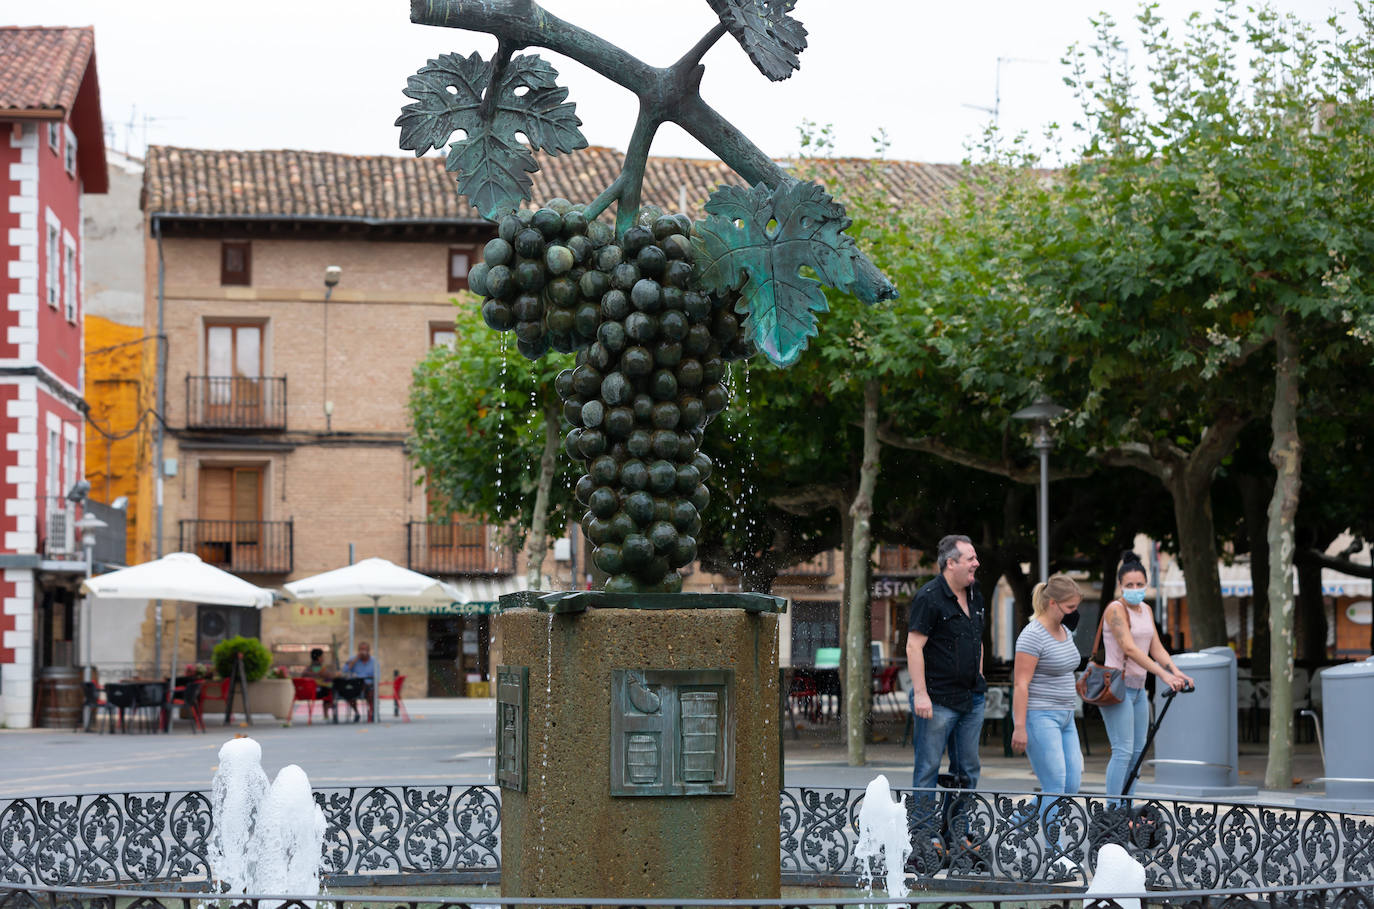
x=22 y=896
x=236 y=402
x=457 y=547
x=988 y=841
x=251 y=547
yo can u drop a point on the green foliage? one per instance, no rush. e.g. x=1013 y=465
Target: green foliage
x=478 y=431
x=257 y=659
x=770 y=37
x=758 y=241
x=492 y=163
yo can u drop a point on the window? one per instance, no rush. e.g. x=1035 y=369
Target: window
x=460 y=259
x=230 y=514
x=69 y=157
x=442 y=334
x=54 y=463
x=54 y=263
x=69 y=275
x=233 y=369
x=235 y=263
x=54 y=130
x=71 y=465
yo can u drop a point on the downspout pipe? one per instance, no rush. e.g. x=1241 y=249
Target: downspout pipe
x=160 y=379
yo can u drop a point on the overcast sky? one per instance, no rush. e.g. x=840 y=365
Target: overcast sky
x=328 y=76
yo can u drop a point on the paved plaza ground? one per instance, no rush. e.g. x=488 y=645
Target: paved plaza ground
x=451 y=741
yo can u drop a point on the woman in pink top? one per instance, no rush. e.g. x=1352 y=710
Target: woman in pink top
x=1134 y=645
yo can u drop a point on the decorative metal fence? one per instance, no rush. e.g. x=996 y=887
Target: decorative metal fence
x=987 y=841
x=31 y=896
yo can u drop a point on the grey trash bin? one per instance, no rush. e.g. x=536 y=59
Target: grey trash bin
x=1346 y=693
x=1195 y=748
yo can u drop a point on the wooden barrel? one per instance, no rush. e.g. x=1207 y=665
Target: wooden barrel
x=60 y=698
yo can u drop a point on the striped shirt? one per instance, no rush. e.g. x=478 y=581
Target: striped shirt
x=1052 y=684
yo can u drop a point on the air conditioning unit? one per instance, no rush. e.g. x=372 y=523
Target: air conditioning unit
x=61 y=532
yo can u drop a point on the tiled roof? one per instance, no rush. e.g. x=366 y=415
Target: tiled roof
x=324 y=185
x=41 y=68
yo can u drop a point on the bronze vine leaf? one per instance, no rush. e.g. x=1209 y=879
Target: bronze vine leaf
x=770 y=37
x=492 y=163
x=758 y=241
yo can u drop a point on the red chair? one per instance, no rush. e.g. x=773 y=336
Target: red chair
x=192 y=694
x=885 y=683
x=398 y=707
x=304 y=690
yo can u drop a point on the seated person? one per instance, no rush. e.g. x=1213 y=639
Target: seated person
x=318 y=671
x=362 y=666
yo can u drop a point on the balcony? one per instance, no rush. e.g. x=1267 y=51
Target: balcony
x=901 y=560
x=819 y=566
x=458 y=547
x=243 y=547
x=236 y=402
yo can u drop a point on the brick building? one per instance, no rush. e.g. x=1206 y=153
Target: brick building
x=285 y=399
x=51 y=152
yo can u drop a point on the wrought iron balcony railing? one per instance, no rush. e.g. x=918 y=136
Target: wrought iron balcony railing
x=254 y=547
x=236 y=402
x=457 y=547
x=900 y=560
x=819 y=566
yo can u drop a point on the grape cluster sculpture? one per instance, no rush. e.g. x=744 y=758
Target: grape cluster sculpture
x=655 y=306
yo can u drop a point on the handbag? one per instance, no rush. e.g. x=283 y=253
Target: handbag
x=1099 y=684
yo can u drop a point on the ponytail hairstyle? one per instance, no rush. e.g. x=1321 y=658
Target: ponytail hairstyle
x=1131 y=562
x=1059 y=587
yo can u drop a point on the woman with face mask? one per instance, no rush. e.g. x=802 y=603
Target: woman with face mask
x=1133 y=644
x=1043 y=694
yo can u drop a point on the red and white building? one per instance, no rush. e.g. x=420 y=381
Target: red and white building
x=52 y=151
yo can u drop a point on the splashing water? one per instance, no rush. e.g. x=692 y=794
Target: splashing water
x=1117 y=872
x=883 y=837
x=267 y=839
x=237 y=792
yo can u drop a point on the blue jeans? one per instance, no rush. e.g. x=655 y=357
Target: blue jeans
x=947 y=728
x=1127 y=724
x=1052 y=746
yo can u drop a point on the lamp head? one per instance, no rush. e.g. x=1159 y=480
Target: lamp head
x=332 y=274
x=80 y=489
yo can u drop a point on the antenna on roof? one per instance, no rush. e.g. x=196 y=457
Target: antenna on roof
x=996 y=109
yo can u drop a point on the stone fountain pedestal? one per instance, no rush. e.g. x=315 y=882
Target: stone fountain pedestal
x=638 y=748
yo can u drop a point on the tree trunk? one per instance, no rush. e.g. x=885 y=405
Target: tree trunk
x=1310 y=613
x=1197 y=545
x=539 y=521
x=1252 y=500
x=858 y=676
x=1285 y=454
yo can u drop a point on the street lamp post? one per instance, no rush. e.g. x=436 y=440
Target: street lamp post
x=1040 y=414
x=89 y=525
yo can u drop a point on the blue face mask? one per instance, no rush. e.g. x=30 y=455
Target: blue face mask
x=1135 y=596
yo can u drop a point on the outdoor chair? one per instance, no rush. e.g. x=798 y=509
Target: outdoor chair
x=804 y=695
x=885 y=684
x=150 y=704
x=120 y=697
x=191 y=697
x=398 y=707
x=92 y=706
x=308 y=690
x=351 y=691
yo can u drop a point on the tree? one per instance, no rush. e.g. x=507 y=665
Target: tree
x=481 y=414
x=1240 y=190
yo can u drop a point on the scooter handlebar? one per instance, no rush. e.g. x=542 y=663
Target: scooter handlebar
x=1185 y=690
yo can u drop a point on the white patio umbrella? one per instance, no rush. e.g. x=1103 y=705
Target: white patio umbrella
x=372 y=584
x=177 y=576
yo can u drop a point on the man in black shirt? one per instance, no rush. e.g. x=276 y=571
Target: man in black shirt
x=944 y=654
